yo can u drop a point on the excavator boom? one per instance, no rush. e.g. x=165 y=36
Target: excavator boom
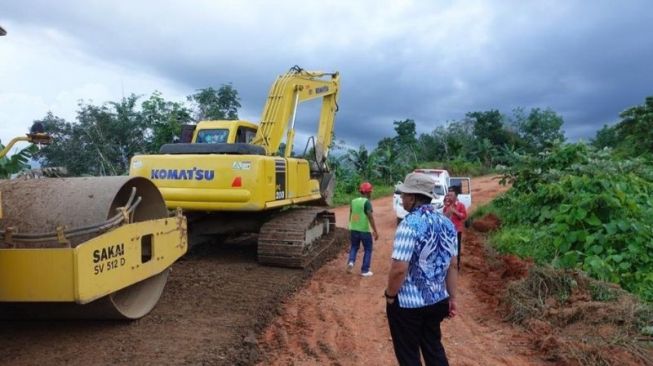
x=291 y=88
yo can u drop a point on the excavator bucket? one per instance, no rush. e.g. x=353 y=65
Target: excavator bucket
x=327 y=189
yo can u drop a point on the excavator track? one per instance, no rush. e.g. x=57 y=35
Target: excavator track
x=296 y=237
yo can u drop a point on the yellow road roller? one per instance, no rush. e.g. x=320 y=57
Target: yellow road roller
x=91 y=247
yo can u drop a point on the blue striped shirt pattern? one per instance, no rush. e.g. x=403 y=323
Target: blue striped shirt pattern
x=427 y=240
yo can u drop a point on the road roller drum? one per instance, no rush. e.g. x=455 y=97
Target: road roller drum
x=93 y=247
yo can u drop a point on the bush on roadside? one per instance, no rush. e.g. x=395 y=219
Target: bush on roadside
x=576 y=207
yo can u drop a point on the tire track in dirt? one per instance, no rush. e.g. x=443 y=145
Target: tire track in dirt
x=343 y=320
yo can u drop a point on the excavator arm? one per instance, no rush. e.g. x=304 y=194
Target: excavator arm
x=296 y=86
x=34 y=138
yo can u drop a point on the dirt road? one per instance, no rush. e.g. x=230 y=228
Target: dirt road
x=221 y=308
x=339 y=318
x=215 y=303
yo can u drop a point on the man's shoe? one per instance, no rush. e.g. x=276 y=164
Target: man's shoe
x=350 y=267
x=367 y=274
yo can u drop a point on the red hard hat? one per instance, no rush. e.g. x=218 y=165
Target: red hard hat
x=365 y=187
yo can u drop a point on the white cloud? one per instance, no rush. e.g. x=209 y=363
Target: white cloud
x=44 y=70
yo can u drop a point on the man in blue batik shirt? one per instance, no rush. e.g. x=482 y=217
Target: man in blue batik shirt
x=421 y=288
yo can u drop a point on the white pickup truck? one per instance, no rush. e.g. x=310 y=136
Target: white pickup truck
x=443 y=181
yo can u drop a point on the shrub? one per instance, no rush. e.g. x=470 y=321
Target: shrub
x=576 y=207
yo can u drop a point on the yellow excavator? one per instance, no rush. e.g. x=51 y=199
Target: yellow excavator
x=96 y=247
x=231 y=177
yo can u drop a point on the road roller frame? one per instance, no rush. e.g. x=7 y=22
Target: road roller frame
x=94 y=268
x=96 y=248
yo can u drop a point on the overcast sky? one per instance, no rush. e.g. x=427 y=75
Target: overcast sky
x=431 y=61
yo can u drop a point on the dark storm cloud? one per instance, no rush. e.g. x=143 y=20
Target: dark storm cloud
x=587 y=61
x=589 y=68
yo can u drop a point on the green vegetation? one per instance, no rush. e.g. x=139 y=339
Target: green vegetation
x=472 y=146
x=17 y=162
x=633 y=135
x=103 y=138
x=574 y=206
x=344 y=198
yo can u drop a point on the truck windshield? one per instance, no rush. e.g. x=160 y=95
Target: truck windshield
x=439 y=190
x=214 y=136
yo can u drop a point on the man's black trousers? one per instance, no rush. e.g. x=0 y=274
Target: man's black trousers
x=415 y=329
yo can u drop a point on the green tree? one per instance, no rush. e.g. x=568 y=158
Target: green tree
x=101 y=142
x=122 y=129
x=16 y=162
x=211 y=104
x=486 y=152
x=361 y=161
x=489 y=125
x=440 y=148
x=68 y=148
x=606 y=137
x=635 y=130
x=406 y=140
x=104 y=138
x=460 y=140
x=163 y=119
x=427 y=147
x=539 y=129
x=387 y=166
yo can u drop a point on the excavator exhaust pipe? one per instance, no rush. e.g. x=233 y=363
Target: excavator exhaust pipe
x=107 y=229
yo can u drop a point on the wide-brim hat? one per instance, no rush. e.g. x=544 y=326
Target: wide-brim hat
x=417 y=183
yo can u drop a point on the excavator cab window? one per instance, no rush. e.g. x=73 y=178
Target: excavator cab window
x=187 y=133
x=214 y=136
x=245 y=135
